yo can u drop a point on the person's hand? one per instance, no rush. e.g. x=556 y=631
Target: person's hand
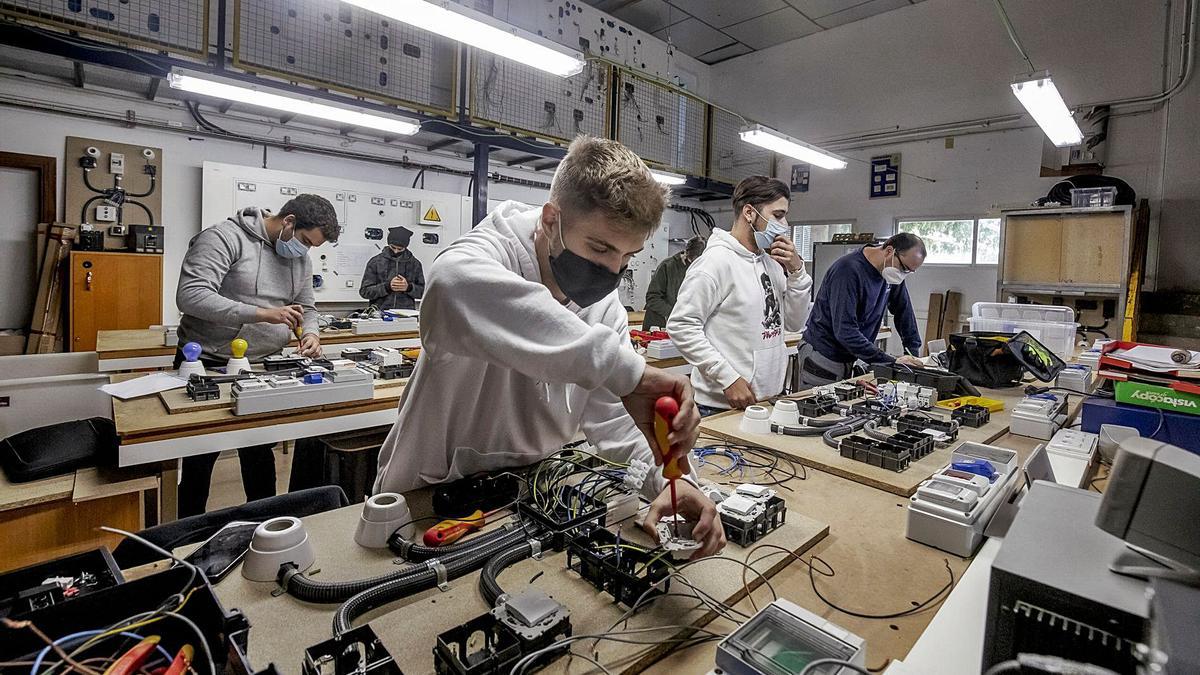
x=310 y=346
x=289 y=315
x=869 y=387
x=398 y=284
x=784 y=251
x=740 y=395
x=639 y=403
x=910 y=361
x=695 y=508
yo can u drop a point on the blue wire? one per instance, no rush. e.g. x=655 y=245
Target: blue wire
x=37 y=663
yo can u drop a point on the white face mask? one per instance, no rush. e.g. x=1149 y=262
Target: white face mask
x=765 y=237
x=292 y=248
x=894 y=275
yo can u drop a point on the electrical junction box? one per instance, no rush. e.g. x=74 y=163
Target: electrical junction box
x=1071 y=453
x=1076 y=377
x=106 y=213
x=270 y=394
x=1039 y=416
x=116 y=164
x=783 y=638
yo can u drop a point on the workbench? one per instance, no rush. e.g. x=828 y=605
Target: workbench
x=281 y=626
x=125 y=350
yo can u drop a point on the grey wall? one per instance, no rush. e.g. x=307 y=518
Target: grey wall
x=19 y=195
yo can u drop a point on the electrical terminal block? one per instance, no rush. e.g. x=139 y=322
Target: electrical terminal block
x=816 y=406
x=938 y=428
x=884 y=454
x=846 y=391
x=635 y=475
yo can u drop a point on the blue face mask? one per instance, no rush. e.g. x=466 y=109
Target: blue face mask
x=767 y=236
x=292 y=248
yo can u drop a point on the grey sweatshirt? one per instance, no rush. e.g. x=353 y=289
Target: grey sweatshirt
x=229 y=271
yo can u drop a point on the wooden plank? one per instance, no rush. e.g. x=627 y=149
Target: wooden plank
x=811 y=450
x=93 y=483
x=1093 y=249
x=933 y=319
x=177 y=401
x=116 y=344
x=20 y=495
x=408 y=628
x=1032 y=249
x=1137 y=272
x=950 y=315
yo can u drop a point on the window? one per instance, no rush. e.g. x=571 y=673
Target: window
x=957 y=241
x=804 y=234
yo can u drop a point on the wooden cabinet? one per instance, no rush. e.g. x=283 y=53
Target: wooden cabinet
x=112 y=291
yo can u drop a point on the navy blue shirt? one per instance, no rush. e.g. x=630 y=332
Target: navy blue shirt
x=849 y=310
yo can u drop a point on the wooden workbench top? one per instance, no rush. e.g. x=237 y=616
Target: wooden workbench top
x=117 y=344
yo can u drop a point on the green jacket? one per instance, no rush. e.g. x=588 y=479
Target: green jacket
x=664 y=288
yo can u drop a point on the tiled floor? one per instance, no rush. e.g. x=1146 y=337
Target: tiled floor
x=227 y=478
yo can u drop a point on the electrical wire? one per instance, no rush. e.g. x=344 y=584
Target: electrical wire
x=812 y=667
x=1012 y=34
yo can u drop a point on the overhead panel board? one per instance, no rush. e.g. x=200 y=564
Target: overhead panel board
x=515 y=97
x=179 y=26
x=337 y=46
x=662 y=124
x=730 y=159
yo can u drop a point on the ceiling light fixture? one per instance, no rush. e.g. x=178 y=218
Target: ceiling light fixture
x=479 y=30
x=770 y=139
x=253 y=94
x=1036 y=91
x=668 y=178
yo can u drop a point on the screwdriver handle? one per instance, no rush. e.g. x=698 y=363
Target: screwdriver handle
x=665 y=410
x=450 y=531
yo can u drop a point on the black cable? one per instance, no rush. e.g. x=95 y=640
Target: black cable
x=147 y=193
x=84 y=211
x=489 y=585
x=863 y=615
x=87 y=182
x=820 y=664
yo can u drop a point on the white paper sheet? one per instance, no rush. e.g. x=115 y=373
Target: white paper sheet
x=1157 y=357
x=144 y=386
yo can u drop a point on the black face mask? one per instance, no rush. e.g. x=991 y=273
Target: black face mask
x=584 y=282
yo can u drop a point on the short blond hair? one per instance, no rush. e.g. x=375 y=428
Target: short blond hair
x=599 y=174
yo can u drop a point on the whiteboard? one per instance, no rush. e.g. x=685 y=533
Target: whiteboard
x=365 y=212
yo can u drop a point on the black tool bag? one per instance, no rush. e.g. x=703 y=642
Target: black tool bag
x=984 y=359
x=59 y=449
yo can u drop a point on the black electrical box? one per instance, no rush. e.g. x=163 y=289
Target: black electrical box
x=148 y=238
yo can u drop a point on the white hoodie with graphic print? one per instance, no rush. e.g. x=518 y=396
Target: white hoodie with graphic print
x=729 y=319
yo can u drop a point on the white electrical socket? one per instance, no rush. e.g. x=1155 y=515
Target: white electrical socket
x=106 y=214
x=116 y=163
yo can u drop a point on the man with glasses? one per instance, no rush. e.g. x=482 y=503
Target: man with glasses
x=849 y=309
x=250 y=277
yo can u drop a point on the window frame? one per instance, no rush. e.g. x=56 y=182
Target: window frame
x=974 y=236
x=853 y=222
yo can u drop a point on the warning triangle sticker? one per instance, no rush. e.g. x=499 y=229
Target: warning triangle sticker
x=432 y=215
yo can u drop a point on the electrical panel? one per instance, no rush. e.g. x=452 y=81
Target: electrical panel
x=515 y=97
x=113 y=187
x=180 y=26
x=338 y=46
x=662 y=124
x=730 y=159
x=365 y=212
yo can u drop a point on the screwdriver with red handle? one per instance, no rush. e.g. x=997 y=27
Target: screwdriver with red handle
x=665 y=410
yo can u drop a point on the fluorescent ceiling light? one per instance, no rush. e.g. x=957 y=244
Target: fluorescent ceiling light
x=668 y=178
x=255 y=95
x=786 y=145
x=1041 y=98
x=481 y=31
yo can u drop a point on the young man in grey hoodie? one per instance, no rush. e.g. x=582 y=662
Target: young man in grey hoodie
x=250 y=276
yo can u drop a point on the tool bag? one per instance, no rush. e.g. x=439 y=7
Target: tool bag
x=59 y=449
x=984 y=359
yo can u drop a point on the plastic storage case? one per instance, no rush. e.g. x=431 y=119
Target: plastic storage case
x=941 y=526
x=1093 y=197
x=1053 y=326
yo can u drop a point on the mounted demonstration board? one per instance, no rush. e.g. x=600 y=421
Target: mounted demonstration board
x=180 y=26
x=662 y=124
x=730 y=159
x=365 y=211
x=514 y=97
x=340 y=47
x=135 y=168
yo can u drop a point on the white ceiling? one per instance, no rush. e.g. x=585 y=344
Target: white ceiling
x=716 y=30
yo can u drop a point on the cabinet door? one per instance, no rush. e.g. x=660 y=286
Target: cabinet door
x=113 y=291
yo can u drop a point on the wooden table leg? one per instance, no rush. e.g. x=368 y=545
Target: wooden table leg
x=168 y=491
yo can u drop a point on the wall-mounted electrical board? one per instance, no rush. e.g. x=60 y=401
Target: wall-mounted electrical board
x=338 y=46
x=180 y=26
x=730 y=159
x=514 y=97
x=112 y=186
x=663 y=125
x=365 y=211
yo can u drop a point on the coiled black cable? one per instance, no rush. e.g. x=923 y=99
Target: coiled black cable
x=451 y=568
x=851 y=425
x=489 y=586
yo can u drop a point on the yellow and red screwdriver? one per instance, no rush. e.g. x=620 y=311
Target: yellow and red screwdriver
x=665 y=410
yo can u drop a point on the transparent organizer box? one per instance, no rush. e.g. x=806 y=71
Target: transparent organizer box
x=1051 y=325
